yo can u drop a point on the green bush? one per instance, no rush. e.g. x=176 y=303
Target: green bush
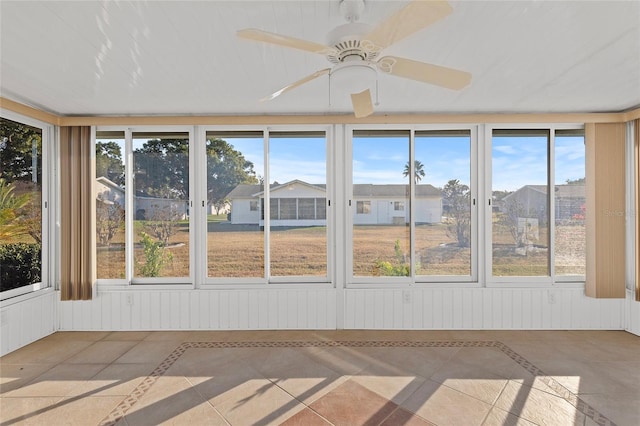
x=155 y=256
x=20 y=264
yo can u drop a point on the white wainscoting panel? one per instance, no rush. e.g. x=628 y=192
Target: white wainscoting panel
x=28 y=320
x=633 y=314
x=481 y=308
x=238 y=309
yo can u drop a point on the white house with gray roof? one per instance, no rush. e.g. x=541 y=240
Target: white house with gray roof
x=297 y=203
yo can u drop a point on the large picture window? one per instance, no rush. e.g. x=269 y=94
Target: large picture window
x=443 y=210
x=520 y=202
x=21 y=207
x=381 y=175
x=235 y=240
x=298 y=176
x=538 y=203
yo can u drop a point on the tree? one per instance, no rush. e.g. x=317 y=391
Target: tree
x=418 y=171
x=109 y=218
x=161 y=168
x=226 y=169
x=109 y=162
x=579 y=181
x=11 y=206
x=456 y=196
x=19 y=145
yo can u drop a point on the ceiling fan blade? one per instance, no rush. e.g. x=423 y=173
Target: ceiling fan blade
x=408 y=20
x=362 y=104
x=286 y=41
x=296 y=84
x=426 y=73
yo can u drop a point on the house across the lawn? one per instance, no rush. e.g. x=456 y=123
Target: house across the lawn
x=532 y=201
x=297 y=203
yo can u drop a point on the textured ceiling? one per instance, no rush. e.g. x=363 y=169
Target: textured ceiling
x=183 y=57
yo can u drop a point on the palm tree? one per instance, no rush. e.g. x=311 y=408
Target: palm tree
x=418 y=172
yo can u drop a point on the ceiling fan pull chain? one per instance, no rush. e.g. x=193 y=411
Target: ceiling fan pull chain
x=377 y=100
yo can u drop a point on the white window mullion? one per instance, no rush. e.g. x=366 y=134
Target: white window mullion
x=552 y=203
x=412 y=198
x=129 y=212
x=267 y=207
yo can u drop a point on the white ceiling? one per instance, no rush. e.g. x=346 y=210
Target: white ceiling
x=183 y=57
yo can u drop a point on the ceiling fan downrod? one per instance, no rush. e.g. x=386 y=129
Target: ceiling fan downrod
x=351 y=9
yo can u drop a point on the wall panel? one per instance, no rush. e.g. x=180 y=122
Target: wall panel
x=26 y=321
x=202 y=310
x=484 y=308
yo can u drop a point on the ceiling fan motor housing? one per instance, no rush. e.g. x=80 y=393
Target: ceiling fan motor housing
x=348 y=43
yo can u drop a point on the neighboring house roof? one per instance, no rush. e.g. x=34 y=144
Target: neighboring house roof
x=562 y=191
x=359 y=190
x=111 y=184
x=398 y=190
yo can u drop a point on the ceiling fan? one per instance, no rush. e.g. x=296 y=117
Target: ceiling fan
x=353 y=49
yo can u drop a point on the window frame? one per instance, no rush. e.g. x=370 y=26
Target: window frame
x=418 y=281
x=163 y=283
x=49 y=256
x=552 y=280
x=268 y=281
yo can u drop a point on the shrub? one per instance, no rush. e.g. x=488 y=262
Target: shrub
x=155 y=256
x=20 y=264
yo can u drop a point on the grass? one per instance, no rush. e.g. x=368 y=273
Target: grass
x=303 y=252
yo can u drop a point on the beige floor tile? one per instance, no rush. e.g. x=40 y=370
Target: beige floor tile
x=13 y=376
x=78 y=411
x=46 y=351
x=410 y=361
x=59 y=381
x=537 y=406
x=24 y=411
x=296 y=373
x=582 y=377
x=258 y=402
x=442 y=405
x=67 y=336
x=402 y=417
x=498 y=417
x=126 y=335
x=116 y=379
x=172 y=400
x=394 y=388
x=623 y=409
x=345 y=360
x=146 y=352
x=305 y=417
x=101 y=352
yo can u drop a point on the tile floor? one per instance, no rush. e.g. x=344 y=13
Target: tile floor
x=324 y=377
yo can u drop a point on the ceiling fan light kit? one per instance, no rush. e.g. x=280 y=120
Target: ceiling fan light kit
x=353 y=49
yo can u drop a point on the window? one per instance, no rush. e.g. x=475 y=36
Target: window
x=380 y=174
x=306 y=208
x=520 y=200
x=570 y=204
x=235 y=241
x=21 y=208
x=297 y=236
x=363 y=207
x=161 y=204
x=443 y=209
x=398 y=206
x=110 y=187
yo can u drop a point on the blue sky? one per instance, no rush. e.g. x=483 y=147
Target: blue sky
x=381 y=160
